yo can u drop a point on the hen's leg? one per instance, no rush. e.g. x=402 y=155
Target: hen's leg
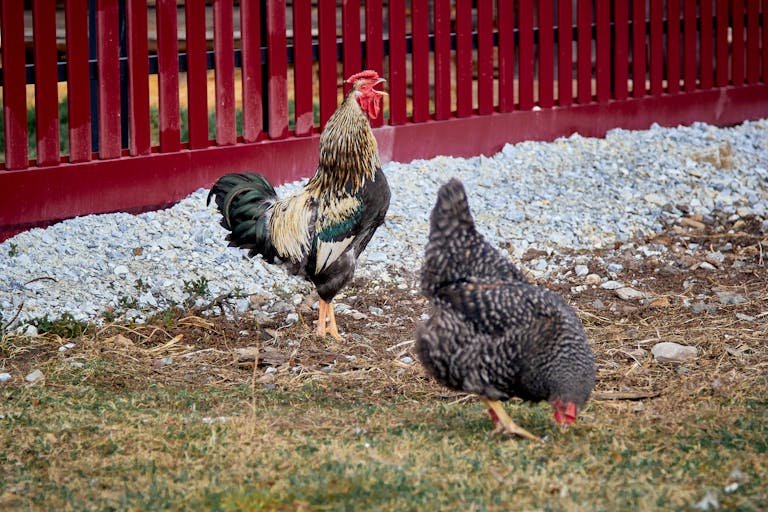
x=332 y=329
x=508 y=425
x=321 y=317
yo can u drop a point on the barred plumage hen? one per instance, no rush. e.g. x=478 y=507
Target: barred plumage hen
x=320 y=231
x=491 y=332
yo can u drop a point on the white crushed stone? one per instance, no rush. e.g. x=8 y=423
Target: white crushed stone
x=574 y=192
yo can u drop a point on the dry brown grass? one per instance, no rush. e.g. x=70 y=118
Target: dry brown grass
x=349 y=426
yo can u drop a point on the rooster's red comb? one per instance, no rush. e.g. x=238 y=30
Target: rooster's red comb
x=368 y=74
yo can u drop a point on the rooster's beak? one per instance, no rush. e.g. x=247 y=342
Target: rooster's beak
x=381 y=81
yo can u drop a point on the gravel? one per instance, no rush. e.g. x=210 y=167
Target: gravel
x=574 y=192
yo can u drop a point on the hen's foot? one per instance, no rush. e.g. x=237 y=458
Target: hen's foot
x=326 y=321
x=504 y=423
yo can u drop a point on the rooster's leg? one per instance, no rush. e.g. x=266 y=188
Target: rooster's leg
x=321 y=317
x=332 y=329
x=509 y=426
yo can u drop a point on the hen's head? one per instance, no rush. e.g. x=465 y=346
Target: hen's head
x=564 y=413
x=363 y=89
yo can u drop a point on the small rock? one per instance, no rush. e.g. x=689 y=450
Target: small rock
x=707 y=265
x=5 y=377
x=708 y=502
x=74 y=363
x=120 y=270
x=376 y=311
x=66 y=347
x=592 y=279
x=746 y=318
x=730 y=298
x=615 y=267
x=581 y=270
x=578 y=289
x=598 y=304
x=34 y=376
x=291 y=318
x=612 y=285
x=656 y=199
x=29 y=331
x=691 y=223
x=357 y=315
x=406 y=360
x=627 y=293
x=669 y=352
x=732 y=487
x=715 y=258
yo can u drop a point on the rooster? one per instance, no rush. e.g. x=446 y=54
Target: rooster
x=491 y=332
x=320 y=231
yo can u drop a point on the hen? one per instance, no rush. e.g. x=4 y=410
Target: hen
x=321 y=230
x=491 y=332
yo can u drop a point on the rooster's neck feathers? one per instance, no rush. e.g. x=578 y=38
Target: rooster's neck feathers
x=349 y=154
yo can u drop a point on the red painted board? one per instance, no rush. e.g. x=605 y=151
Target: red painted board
x=753 y=41
x=250 y=46
x=397 y=78
x=168 y=79
x=484 y=56
x=690 y=50
x=302 y=66
x=706 y=45
x=639 y=49
x=78 y=80
x=224 y=53
x=329 y=82
x=565 y=53
x=14 y=89
x=139 y=134
x=621 y=51
x=420 y=59
x=584 y=51
x=737 y=45
x=525 y=61
x=721 y=42
x=546 y=54
x=656 y=59
x=108 y=54
x=603 y=52
x=197 y=75
x=673 y=46
x=277 y=69
x=352 y=60
x=46 y=78
x=442 y=58
x=374 y=44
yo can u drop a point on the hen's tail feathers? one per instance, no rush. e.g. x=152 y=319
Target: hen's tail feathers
x=243 y=201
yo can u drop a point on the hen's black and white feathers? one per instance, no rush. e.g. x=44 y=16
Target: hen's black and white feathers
x=492 y=332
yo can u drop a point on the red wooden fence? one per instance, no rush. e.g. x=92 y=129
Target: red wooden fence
x=465 y=77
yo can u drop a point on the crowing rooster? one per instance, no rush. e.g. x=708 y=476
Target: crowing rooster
x=321 y=230
x=491 y=332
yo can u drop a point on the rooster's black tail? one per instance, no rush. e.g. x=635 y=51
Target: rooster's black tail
x=243 y=201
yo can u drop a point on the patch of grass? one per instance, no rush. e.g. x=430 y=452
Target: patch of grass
x=197 y=287
x=66 y=326
x=13 y=249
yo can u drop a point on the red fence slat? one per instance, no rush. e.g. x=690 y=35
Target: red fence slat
x=277 y=67
x=302 y=67
x=565 y=53
x=753 y=41
x=420 y=59
x=737 y=48
x=721 y=18
x=250 y=45
x=584 y=51
x=109 y=78
x=603 y=53
x=139 y=139
x=546 y=54
x=224 y=48
x=78 y=89
x=397 y=80
x=14 y=88
x=673 y=46
x=506 y=24
x=638 y=50
x=46 y=90
x=484 y=56
x=765 y=40
x=464 y=58
x=374 y=44
x=656 y=59
x=168 y=79
x=350 y=32
x=621 y=51
x=443 y=59
x=689 y=44
x=705 y=45
x=326 y=26
x=525 y=62
x=197 y=76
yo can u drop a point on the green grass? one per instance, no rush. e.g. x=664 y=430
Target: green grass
x=88 y=440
